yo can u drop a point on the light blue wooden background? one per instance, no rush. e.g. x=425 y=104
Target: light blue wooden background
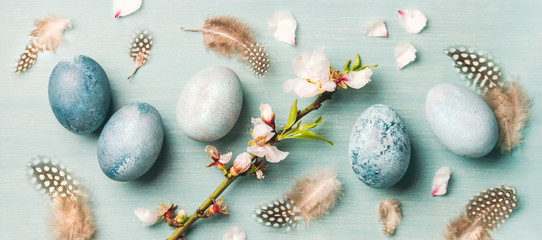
x=511 y=30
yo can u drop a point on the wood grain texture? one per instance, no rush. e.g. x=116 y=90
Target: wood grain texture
x=510 y=30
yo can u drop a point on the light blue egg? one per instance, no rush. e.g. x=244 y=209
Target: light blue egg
x=130 y=142
x=209 y=104
x=79 y=94
x=461 y=120
x=379 y=147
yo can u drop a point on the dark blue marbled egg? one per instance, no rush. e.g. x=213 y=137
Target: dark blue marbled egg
x=79 y=94
x=130 y=142
x=379 y=147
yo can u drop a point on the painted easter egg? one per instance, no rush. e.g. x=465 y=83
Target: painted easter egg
x=79 y=94
x=130 y=142
x=379 y=147
x=209 y=104
x=461 y=120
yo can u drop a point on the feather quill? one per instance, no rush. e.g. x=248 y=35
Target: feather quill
x=45 y=37
x=484 y=212
x=72 y=216
x=389 y=213
x=229 y=36
x=310 y=198
x=510 y=106
x=140 y=49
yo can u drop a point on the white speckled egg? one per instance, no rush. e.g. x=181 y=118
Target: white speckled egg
x=461 y=120
x=209 y=104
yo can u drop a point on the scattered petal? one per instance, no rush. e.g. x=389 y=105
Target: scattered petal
x=440 y=181
x=123 y=8
x=413 y=20
x=405 y=53
x=146 y=216
x=375 y=28
x=234 y=233
x=282 y=26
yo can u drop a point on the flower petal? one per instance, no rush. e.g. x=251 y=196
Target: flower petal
x=234 y=233
x=225 y=158
x=257 y=121
x=375 y=28
x=123 y=8
x=413 y=20
x=300 y=65
x=301 y=87
x=440 y=181
x=274 y=155
x=405 y=53
x=146 y=216
x=257 y=150
x=283 y=26
x=263 y=130
x=358 y=79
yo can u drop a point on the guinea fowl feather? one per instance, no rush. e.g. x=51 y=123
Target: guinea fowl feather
x=309 y=199
x=484 y=212
x=72 y=217
x=229 y=36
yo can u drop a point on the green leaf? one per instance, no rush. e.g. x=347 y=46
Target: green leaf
x=292 y=116
x=346 y=66
x=311 y=125
x=367 y=66
x=309 y=136
x=357 y=63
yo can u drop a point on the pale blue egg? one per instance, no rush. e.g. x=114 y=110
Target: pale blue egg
x=461 y=120
x=209 y=104
x=379 y=147
x=79 y=94
x=130 y=142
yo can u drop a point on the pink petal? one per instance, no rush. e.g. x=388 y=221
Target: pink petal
x=375 y=28
x=274 y=155
x=301 y=87
x=440 y=181
x=358 y=79
x=123 y=8
x=412 y=20
x=405 y=53
x=283 y=26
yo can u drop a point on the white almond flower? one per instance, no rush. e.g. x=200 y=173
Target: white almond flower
x=241 y=164
x=375 y=28
x=283 y=26
x=146 y=216
x=440 y=181
x=123 y=8
x=313 y=72
x=358 y=79
x=262 y=133
x=405 y=53
x=413 y=20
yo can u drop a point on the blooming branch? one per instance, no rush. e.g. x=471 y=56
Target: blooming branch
x=315 y=77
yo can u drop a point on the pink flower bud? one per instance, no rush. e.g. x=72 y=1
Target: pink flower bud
x=241 y=164
x=267 y=114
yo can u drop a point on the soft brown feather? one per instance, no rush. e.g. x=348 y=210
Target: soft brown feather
x=239 y=35
x=315 y=194
x=389 y=213
x=511 y=108
x=73 y=219
x=462 y=228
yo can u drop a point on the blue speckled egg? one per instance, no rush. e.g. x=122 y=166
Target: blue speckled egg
x=461 y=120
x=79 y=94
x=379 y=147
x=130 y=142
x=209 y=104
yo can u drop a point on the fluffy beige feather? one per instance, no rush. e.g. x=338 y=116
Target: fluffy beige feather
x=462 y=228
x=73 y=219
x=230 y=36
x=389 y=213
x=315 y=194
x=511 y=108
x=48 y=31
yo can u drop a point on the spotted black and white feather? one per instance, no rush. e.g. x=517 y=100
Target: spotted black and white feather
x=479 y=68
x=257 y=57
x=140 y=49
x=485 y=211
x=309 y=199
x=278 y=214
x=52 y=178
x=72 y=217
